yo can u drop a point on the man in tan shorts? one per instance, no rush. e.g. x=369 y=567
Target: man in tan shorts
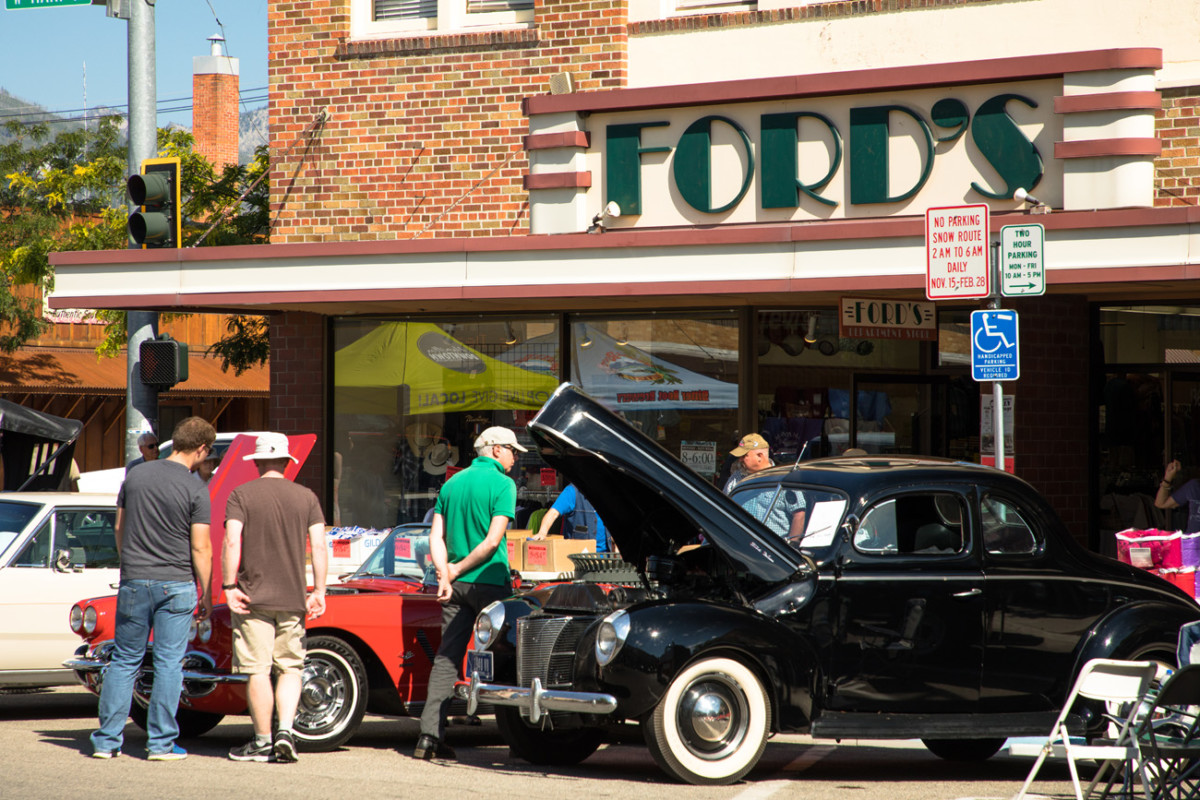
x=267 y=522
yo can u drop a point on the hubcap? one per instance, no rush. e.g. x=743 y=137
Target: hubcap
x=713 y=716
x=322 y=696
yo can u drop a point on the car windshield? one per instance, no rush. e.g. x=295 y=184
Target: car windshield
x=404 y=553
x=806 y=516
x=13 y=519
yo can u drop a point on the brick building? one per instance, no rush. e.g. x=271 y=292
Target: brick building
x=690 y=200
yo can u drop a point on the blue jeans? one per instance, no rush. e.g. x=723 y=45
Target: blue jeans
x=166 y=607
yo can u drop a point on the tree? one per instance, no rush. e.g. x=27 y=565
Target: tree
x=67 y=193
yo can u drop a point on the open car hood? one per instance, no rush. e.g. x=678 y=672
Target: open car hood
x=650 y=502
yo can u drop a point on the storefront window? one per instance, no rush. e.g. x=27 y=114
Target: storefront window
x=674 y=378
x=410 y=396
x=808 y=387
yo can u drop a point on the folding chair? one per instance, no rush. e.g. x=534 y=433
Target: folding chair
x=1120 y=683
x=1168 y=739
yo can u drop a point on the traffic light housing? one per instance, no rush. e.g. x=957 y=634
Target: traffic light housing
x=163 y=361
x=157 y=223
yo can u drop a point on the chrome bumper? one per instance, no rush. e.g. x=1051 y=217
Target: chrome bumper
x=534 y=700
x=87 y=664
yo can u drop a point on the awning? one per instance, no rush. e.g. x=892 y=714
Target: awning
x=69 y=370
x=417 y=368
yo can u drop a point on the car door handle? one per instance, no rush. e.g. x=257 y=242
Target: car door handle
x=968 y=593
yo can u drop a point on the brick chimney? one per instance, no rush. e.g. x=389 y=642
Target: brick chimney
x=215 y=105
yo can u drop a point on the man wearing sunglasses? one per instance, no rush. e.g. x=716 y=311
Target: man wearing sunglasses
x=466 y=545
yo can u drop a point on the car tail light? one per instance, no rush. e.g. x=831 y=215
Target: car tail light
x=76 y=618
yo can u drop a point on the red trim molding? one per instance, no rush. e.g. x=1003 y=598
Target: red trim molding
x=1099 y=148
x=995 y=70
x=550 y=141
x=558 y=180
x=1107 y=101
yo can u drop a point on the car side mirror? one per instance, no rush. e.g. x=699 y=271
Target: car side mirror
x=849 y=526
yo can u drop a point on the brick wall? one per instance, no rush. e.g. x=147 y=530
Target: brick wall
x=298 y=383
x=1052 y=404
x=1177 y=171
x=215 y=118
x=423 y=135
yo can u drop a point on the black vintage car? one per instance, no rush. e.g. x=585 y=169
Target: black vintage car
x=872 y=597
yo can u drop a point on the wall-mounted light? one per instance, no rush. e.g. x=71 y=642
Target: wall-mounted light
x=510 y=336
x=792 y=344
x=811 y=336
x=611 y=211
x=1036 y=206
x=623 y=339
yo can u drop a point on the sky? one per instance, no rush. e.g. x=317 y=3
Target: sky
x=43 y=53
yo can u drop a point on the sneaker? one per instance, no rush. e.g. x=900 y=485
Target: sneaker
x=106 y=753
x=429 y=748
x=251 y=751
x=285 y=747
x=176 y=753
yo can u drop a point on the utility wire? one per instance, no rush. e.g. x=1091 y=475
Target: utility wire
x=116 y=110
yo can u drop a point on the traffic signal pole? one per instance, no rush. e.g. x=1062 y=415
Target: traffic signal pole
x=141 y=401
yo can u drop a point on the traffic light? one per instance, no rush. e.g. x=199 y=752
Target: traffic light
x=163 y=361
x=157 y=223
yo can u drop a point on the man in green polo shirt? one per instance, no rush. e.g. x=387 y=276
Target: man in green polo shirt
x=466 y=544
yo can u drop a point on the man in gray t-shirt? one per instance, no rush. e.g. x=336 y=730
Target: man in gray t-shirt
x=162 y=532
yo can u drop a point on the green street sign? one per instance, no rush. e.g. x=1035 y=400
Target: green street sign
x=1022 y=260
x=14 y=4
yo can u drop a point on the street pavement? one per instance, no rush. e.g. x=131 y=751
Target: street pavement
x=44 y=741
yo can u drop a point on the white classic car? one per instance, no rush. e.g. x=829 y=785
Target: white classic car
x=55 y=548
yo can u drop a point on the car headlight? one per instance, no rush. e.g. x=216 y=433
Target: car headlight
x=610 y=637
x=201 y=631
x=89 y=619
x=488 y=625
x=76 y=618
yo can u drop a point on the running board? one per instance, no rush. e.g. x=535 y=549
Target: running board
x=847 y=725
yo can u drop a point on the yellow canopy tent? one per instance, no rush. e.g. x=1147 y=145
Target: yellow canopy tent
x=417 y=368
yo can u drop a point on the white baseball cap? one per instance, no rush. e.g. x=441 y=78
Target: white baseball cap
x=498 y=435
x=270 y=445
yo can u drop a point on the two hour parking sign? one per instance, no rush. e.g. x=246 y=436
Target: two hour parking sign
x=994 y=353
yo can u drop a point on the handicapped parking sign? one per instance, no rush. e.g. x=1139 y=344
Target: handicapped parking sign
x=994 y=355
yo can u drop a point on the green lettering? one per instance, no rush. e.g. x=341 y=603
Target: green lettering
x=1005 y=147
x=869 y=155
x=623 y=164
x=781 y=187
x=693 y=165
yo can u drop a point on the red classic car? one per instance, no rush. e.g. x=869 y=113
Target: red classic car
x=371 y=651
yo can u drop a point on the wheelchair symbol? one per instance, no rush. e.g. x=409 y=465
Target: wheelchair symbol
x=992 y=335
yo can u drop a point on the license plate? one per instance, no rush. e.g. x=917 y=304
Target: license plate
x=480 y=661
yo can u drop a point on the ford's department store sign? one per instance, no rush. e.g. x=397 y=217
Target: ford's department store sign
x=819 y=158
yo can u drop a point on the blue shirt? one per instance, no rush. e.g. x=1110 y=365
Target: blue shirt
x=1189 y=494
x=584 y=523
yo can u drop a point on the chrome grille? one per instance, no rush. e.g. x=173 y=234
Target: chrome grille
x=546 y=649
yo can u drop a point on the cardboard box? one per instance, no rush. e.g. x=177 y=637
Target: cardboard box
x=550 y=554
x=516 y=548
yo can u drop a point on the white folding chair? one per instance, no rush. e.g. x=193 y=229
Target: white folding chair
x=1122 y=684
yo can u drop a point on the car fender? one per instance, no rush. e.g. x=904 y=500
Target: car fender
x=665 y=637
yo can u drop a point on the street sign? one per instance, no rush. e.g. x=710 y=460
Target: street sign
x=994 y=345
x=1022 y=260
x=956 y=252
x=15 y=4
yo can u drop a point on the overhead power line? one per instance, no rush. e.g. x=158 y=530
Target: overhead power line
x=164 y=106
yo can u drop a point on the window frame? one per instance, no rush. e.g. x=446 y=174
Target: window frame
x=452 y=17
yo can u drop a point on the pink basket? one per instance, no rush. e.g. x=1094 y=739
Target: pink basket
x=1184 y=578
x=1150 y=548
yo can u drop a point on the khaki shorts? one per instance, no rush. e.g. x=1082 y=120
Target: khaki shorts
x=266 y=639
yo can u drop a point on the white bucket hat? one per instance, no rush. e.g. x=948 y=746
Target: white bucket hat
x=270 y=445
